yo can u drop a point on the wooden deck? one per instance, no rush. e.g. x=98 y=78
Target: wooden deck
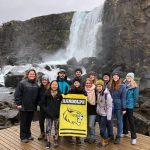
x=9 y=140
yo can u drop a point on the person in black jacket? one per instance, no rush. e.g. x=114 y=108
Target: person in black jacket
x=26 y=98
x=45 y=85
x=51 y=105
x=76 y=88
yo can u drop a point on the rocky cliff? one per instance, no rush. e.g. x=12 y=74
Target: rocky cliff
x=126 y=33
x=23 y=42
x=126 y=47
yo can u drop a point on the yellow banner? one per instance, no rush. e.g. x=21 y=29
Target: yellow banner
x=73 y=115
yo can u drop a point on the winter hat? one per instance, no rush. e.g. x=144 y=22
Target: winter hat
x=45 y=77
x=92 y=73
x=78 y=69
x=106 y=73
x=62 y=70
x=130 y=74
x=117 y=73
x=76 y=79
x=100 y=82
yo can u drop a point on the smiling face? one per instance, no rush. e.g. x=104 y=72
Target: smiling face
x=54 y=85
x=45 y=82
x=76 y=84
x=62 y=75
x=78 y=74
x=88 y=84
x=116 y=77
x=31 y=75
x=129 y=78
x=99 y=88
x=106 y=78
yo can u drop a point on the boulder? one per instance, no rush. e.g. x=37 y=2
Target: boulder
x=72 y=61
x=142 y=124
x=145 y=107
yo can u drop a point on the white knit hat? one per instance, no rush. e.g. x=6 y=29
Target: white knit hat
x=131 y=74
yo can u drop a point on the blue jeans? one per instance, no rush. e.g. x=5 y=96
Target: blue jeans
x=106 y=129
x=91 y=126
x=118 y=114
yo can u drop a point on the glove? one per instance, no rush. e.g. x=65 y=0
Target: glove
x=108 y=121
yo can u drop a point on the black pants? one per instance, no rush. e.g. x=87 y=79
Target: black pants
x=128 y=118
x=42 y=117
x=26 y=118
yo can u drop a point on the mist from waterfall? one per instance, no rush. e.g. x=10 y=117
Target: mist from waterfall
x=83 y=34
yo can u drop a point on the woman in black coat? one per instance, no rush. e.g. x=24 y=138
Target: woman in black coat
x=26 y=98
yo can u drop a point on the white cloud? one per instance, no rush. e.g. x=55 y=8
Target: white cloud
x=26 y=9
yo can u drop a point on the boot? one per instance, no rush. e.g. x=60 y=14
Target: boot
x=103 y=143
x=78 y=141
x=42 y=136
x=55 y=141
x=117 y=140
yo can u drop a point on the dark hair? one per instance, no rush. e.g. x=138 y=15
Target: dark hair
x=115 y=85
x=78 y=69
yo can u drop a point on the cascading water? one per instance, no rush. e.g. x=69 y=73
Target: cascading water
x=83 y=34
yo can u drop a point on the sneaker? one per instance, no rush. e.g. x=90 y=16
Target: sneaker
x=133 y=141
x=25 y=141
x=48 y=145
x=78 y=141
x=91 y=141
x=103 y=143
x=31 y=138
x=117 y=140
x=42 y=136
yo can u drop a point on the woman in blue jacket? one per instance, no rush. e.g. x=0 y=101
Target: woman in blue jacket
x=118 y=92
x=131 y=99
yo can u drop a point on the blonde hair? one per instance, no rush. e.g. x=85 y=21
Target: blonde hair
x=133 y=83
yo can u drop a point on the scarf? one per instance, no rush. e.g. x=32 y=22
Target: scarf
x=91 y=94
x=54 y=93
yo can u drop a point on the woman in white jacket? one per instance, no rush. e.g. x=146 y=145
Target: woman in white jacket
x=104 y=111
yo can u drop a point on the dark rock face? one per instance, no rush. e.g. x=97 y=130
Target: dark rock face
x=126 y=38
x=126 y=34
x=23 y=42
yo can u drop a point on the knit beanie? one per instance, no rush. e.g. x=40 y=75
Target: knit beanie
x=45 y=77
x=106 y=73
x=131 y=74
x=118 y=73
x=76 y=79
x=100 y=82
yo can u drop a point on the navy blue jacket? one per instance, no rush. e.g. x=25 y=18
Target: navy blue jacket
x=119 y=97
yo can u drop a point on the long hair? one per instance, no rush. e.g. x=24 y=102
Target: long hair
x=27 y=73
x=115 y=85
x=133 y=84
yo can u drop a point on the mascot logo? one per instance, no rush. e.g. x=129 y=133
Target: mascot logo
x=73 y=116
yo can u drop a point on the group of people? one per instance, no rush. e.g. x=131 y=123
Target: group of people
x=107 y=98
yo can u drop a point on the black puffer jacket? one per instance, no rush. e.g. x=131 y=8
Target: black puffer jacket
x=51 y=105
x=27 y=95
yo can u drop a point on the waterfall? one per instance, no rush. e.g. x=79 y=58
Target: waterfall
x=83 y=34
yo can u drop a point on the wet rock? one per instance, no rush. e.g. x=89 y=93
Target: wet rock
x=142 y=124
x=72 y=61
x=12 y=80
x=145 y=107
x=8 y=115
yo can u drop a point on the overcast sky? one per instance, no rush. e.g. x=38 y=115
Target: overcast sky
x=26 y=9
